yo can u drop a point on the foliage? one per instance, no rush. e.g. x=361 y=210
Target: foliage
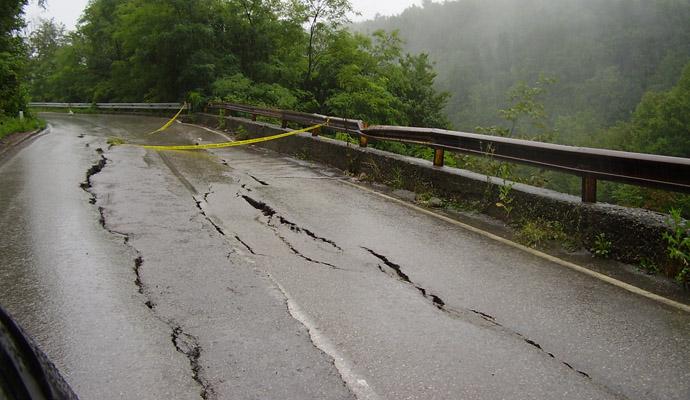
x=323 y=18
x=679 y=244
x=115 y=141
x=535 y=233
x=13 y=94
x=44 y=43
x=661 y=122
x=286 y=54
x=241 y=133
x=14 y=125
x=222 y=122
x=604 y=54
x=505 y=198
x=649 y=267
x=602 y=246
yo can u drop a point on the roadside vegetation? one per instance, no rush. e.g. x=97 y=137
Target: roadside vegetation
x=15 y=125
x=13 y=70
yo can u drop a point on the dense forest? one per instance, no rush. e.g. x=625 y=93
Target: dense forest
x=603 y=56
x=612 y=74
x=600 y=73
x=295 y=55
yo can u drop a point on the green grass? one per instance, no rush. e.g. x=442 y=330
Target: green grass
x=13 y=125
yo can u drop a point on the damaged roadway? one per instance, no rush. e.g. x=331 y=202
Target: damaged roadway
x=243 y=274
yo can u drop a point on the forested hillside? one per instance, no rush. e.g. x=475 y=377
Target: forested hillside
x=290 y=54
x=599 y=73
x=603 y=56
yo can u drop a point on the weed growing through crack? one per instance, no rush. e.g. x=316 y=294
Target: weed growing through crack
x=602 y=246
x=241 y=133
x=505 y=190
x=115 y=141
x=678 y=244
x=397 y=181
x=648 y=266
x=222 y=122
x=346 y=137
x=537 y=232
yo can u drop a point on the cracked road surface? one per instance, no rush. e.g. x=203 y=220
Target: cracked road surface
x=243 y=274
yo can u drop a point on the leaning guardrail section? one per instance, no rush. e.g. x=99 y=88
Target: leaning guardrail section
x=591 y=164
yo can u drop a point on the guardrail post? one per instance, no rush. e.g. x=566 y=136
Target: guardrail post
x=589 y=189
x=253 y=117
x=284 y=123
x=363 y=140
x=316 y=131
x=438 y=157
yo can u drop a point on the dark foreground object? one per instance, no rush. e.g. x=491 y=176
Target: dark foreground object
x=25 y=372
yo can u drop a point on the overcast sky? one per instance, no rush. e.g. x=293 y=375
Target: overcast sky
x=68 y=11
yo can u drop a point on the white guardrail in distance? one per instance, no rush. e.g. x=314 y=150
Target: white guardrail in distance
x=112 y=106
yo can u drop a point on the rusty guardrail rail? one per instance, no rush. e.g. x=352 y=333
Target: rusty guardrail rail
x=353 y=126
x=591 y=164
x=648 y=170
x=112 y=106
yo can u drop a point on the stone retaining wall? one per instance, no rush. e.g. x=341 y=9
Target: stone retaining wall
x=635 y=234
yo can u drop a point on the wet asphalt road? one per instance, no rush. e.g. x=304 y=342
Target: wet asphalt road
x=243 y=274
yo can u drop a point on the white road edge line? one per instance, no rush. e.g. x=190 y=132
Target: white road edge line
x=357 y=384
x=564 y=263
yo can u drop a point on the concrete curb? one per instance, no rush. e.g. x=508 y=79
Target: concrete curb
x=8 y=146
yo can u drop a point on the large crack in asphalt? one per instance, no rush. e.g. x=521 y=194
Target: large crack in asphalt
x=258 y=180
x=298 y=254
x=200 y=205
x=183 y=342
x=93 y=170
x=272 y=215
x=203 y=212
x=440 y=304
x=245 y=244
x=189 y=346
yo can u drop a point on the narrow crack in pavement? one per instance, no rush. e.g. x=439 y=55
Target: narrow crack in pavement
x=258 y=180
x=293 y=227
x=441 y=305
x=199 y=205
x=244 y=244
x=190 y=347
x=297 y=253
x=203 y=212
x=138 y=262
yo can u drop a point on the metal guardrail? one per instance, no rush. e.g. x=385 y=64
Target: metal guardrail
x=662 y=172
x=112 y=106
x=591 y=164
x=353 y=126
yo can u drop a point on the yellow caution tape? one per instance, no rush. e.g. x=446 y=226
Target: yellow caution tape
x=231 y=144
x=167 y=124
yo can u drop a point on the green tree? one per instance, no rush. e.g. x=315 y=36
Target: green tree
x=322 y=18
x=12 y=57
x=661 y=122
x=44 y=43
